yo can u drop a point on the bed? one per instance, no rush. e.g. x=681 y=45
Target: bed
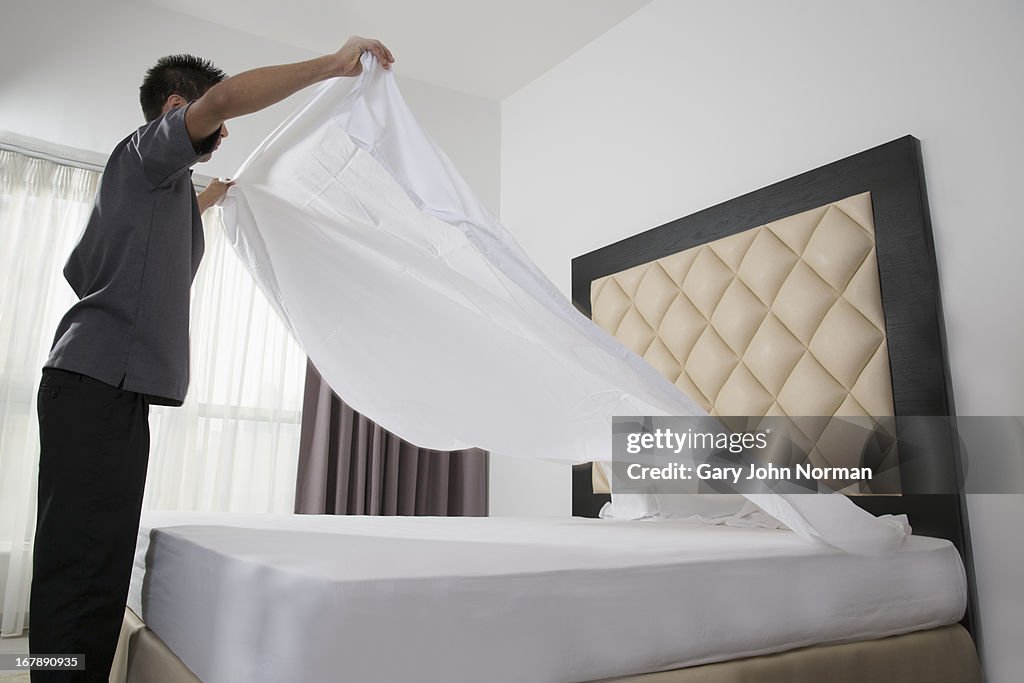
x=662 y=601
x=322 y=597
x=865 y=338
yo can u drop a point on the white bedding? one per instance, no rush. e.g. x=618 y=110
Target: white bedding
x=339 y=598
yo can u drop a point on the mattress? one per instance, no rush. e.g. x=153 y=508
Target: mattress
x=324 y=598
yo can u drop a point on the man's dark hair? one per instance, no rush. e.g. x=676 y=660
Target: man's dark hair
x=182 y=75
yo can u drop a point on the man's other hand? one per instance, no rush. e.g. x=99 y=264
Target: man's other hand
x=213 y=193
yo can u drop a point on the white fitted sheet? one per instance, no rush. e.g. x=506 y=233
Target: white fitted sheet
x=329 y=598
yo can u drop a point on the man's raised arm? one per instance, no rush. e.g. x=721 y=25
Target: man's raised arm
x=251 y=91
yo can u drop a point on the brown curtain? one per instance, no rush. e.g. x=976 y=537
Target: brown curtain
x=349 y=465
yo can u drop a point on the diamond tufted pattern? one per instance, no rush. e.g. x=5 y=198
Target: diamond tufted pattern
x=784 y=319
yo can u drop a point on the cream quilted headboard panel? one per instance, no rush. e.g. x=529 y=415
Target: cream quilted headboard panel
x=784 y=319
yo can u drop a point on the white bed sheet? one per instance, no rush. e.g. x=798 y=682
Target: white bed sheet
x=360 y=230
x=338 y=598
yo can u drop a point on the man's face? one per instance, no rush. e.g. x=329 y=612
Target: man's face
x=216 y=146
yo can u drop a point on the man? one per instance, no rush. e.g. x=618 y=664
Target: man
x=124 y=345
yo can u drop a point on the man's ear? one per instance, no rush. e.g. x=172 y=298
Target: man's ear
x=173 y=102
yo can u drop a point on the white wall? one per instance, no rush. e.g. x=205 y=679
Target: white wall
x=70 y=73
x=685 y=105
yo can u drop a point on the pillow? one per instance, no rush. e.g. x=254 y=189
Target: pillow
x=828 y=518
x=650 y=505
x=706 y=508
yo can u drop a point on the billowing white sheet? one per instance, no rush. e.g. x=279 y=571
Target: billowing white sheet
x=424 y=313
x=418 y=307
x=261 y=598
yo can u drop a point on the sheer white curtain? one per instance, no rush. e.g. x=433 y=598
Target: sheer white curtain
x=43 y=207
x=233 y=446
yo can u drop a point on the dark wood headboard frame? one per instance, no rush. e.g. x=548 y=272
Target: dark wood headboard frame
x=893 y=173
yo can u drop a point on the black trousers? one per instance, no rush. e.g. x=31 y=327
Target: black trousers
x=94 y=441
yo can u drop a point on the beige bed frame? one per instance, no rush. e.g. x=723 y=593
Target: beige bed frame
x=943 y=655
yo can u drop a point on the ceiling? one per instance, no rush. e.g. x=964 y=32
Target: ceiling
x=488 y=48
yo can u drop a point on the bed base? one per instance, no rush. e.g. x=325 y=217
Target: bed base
x=942 y=655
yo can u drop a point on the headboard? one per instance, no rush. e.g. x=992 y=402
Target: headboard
x=891 y=316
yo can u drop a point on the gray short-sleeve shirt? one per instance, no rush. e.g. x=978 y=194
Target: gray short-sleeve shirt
x=133 y=267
